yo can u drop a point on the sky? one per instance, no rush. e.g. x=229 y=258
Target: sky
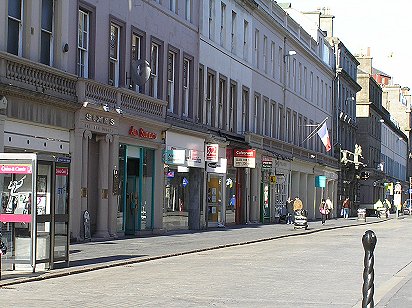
x=383 y=25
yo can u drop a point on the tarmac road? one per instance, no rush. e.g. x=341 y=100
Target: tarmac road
x=321 y=269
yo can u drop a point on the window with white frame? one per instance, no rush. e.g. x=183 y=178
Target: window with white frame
x=154 y=74
x=221 y=103
x=255 y=124
x=170 y=98
x=136 y=52
x=293 y=128
x=256 y=48
x=188 y=10
x=46 y=36
x=280 y=129
x=287 y=127
x=294 y=77
x=222 y=24
x=210 y=99
x=211 y=19
x=83 y=44
x=300 y=79
x=245 y=39
x=245 y=108
x=305 y=82
x=173 y=6
x=311 y=86
x=232 y=107
x=272 y=121
x=265 y=54
x=265 y=117
x=186 y=87
x=114 y=68
x=273 y=59
x=233 y=33
x=280 y=64
x=14 y=27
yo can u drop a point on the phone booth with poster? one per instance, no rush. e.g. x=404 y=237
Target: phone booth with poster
x=34 y=212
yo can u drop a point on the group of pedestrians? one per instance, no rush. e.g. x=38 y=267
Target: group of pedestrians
x=325 y=208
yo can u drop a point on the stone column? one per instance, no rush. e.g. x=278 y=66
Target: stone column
x=113 y=199
x=87 y=135
x=311 y=195
x=76 y=218
x=195 y=186
x=158 y=191
x=254 y=193
x=303 y=191
x=102 y=228
x=295 y=184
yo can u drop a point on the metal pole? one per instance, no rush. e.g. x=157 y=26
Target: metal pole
x=369 y=241
x=410 y=197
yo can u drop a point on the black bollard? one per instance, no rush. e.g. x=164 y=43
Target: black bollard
x=369 y=242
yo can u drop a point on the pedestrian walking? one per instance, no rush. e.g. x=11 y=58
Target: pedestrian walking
x=323 y=209
x=329 y=204
x=346 y=207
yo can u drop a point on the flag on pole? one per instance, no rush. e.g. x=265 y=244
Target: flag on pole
x=324 y=136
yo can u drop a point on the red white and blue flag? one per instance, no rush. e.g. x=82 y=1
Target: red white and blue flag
x=324 y=136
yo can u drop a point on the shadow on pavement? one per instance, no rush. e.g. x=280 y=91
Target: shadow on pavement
x=97 y=260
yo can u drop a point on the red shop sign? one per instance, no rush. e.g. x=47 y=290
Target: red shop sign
x=141 y=133
x=62 y=171
x=249 y=153
x=212 y=151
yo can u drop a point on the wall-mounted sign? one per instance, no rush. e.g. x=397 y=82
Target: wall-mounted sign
x=320 y=181
x=244 y=158
x=272 y=179
x=16 y=168
x=229 y=157
x=212 y=152
x=65 y=160
x=267 y=162
x=174 y=157
x=141 y=133
x=99 y=119
x=61 y=171
x=219 y=167
x=195 y=159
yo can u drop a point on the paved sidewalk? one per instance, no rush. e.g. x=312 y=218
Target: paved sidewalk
x=103 y=254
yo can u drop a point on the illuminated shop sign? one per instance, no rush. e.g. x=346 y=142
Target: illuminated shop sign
x=99 y=119
x=16 y=168
x=141 y=133
x=212 y=151
x=244 y=158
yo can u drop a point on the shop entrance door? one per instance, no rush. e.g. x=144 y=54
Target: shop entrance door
x=132 y=204
x=214 y=199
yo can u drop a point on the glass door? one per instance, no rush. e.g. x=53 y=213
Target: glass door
x=132 y=204
x=61 y=214
x=214 y=199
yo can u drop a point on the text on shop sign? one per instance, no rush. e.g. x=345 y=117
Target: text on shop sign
x=141 y=133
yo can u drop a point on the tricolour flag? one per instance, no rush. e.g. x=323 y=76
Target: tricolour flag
x=324 y=136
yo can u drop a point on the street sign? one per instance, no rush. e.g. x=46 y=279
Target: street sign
x=185 y=182
x=273 y=179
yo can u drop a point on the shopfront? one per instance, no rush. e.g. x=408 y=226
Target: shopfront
x=267 y=180
x=36 y=233
x=184 y=165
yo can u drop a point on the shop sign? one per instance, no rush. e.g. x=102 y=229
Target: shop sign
x=16 y=168
x=273 y=179
x=219 y=167
x=62 y=171
x=65 y=160
x=99 y=119
x=174 y=157
x=212 y=152
x=267 y=162
x=141 y=133
x=185 y=182
x=195 y=159
x=244 y=158
x=320 y=181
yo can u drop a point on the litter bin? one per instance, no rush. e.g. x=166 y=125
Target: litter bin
x=362 y=214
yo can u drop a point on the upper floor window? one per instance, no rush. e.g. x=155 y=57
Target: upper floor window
x=171 y=62
x=256 y=48
x=222 y=103
x=114 y=68
x=137 y=48
x=173 y=6
x=223 y=24
x=233 y=33
x=154 y=74
x=83 y=44
x=14 y=30
x=232 y=107
x=245 y=39
x=46 y=47
x=188 y=10
x=211 y=19
x=186 y=86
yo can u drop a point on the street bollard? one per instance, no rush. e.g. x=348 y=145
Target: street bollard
x=369 y=242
